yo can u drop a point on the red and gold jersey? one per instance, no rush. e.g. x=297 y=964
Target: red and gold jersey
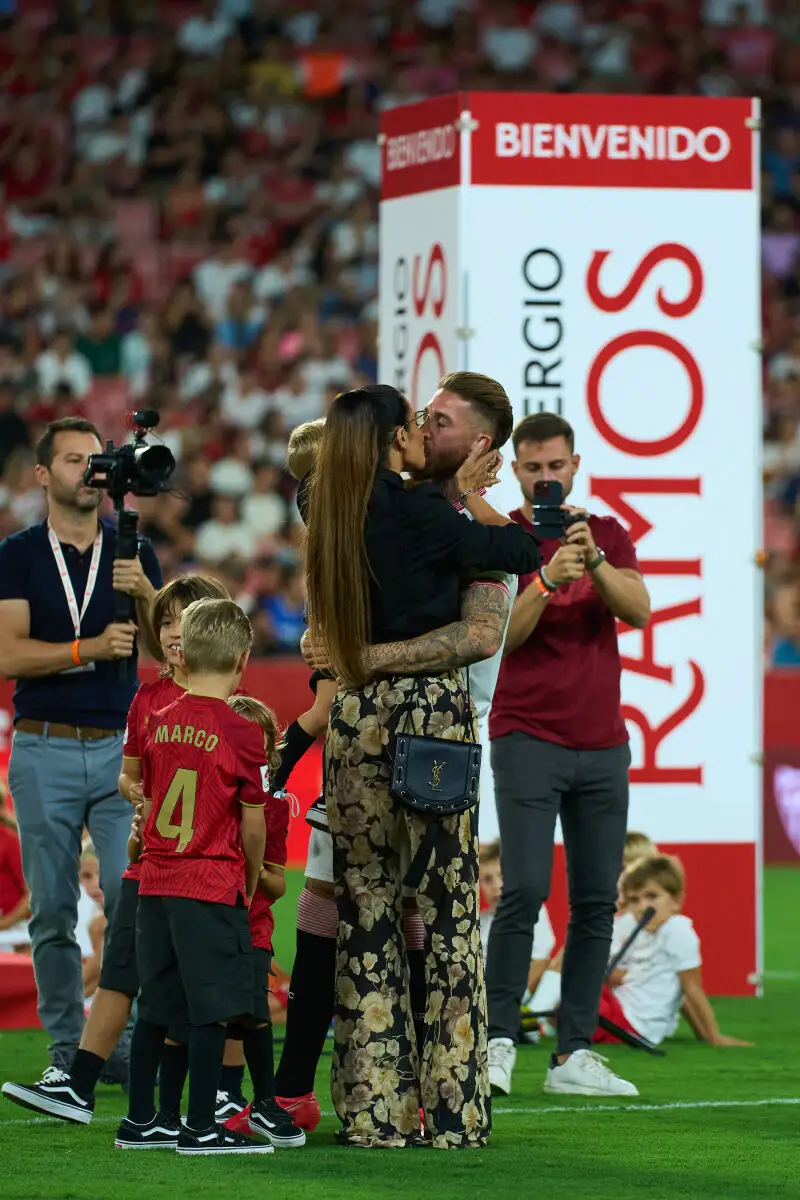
x=200 y=763
x=262 y=922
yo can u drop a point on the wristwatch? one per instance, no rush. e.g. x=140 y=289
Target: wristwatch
x=596 y=562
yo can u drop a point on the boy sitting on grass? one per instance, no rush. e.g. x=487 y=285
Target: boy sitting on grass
x=659 y=976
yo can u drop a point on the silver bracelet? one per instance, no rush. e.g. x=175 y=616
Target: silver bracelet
x=469 y=492
x=546 y=580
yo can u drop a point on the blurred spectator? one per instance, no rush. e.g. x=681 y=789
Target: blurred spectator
x=100 y=345
x=285 y=610
x=264 y=510
x=206 y=32
x=63 y=364
x=224 y=534
x=189 y=221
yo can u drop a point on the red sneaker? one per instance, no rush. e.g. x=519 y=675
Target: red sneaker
x=240 y=1122
x=304 y=1110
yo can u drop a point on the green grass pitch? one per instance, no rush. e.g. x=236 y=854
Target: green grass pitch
x=709 y=1124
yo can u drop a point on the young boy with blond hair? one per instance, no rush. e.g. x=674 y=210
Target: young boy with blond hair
x=205 y=781
x=661 y=971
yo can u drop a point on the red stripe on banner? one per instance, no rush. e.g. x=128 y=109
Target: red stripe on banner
x=420 y=147
x=532 y=139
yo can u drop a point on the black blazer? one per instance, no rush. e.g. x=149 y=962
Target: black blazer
x=420 y=549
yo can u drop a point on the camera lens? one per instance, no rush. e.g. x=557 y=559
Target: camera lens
x=155 y=461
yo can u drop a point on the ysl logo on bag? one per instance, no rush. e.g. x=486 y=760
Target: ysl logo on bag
x=436 y=775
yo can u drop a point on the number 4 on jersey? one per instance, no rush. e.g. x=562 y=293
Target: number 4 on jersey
x=182 y=790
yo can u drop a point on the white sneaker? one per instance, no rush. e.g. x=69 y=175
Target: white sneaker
x=502 y=1056
x=584 y=1074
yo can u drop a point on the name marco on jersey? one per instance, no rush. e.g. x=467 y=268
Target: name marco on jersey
x=186 y=735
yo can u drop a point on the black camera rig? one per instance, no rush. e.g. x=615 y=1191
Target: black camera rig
x=136 y=468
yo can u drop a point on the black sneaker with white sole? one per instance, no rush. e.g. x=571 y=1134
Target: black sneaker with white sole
x=228 y=1105
x=270 y=1121
x=55 y=1095
x=317 y=815
x=159 y=1134
x=218 y=1141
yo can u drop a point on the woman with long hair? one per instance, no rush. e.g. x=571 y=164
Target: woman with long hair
x=386 y=563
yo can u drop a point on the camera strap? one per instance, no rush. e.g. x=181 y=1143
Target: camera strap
x=66 y=582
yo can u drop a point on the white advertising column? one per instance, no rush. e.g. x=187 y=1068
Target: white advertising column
x=602 y=261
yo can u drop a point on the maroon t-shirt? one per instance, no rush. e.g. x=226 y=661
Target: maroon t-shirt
x=562 y=684
x=201 y=762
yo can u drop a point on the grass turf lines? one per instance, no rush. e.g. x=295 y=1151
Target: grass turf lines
x=709 y=1125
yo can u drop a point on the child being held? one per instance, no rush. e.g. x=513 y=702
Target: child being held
x=661 y=970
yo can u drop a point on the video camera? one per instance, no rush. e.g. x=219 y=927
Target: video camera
x=549 y=518
x=136 y=468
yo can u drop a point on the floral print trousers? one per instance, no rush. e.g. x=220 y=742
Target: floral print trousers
x=379 y=1077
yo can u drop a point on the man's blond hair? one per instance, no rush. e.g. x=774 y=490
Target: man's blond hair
x=256 y=710
x=304 y=446
x=637 y=845
x=214 y=636
x=663 y=869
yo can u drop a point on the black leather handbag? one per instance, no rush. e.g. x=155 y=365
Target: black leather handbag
x=436 y=777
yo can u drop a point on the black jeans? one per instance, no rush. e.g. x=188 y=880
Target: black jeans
x=534 y=782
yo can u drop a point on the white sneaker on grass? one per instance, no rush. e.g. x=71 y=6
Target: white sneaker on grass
x=502 y=1056
x=585 y=1073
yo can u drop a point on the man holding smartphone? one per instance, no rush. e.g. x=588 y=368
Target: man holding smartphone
x=559 y=747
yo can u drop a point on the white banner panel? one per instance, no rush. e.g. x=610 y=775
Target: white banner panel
x=623 y=308
x=609 y=256
x=420 y=247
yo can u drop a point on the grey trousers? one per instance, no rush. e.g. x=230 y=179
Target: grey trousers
x=58 y=786
x=534 y=782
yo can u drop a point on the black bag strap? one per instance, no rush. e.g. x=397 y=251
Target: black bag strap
x=421 y=859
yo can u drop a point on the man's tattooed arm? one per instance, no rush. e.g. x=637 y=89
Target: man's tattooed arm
x=477 y=636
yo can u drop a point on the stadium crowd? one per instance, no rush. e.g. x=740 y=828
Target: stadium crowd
x=189 y=221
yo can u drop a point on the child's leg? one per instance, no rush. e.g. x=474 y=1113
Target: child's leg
x=173 y=1071
x=311 y=990
x=147 y=1044
x=105 y=1024
x=232 y=1078
x=206 y=1048
x=414 y=937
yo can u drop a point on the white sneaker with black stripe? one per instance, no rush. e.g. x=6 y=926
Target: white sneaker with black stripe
x=218 y=1141
x=54 y=1095
x=159 y=1134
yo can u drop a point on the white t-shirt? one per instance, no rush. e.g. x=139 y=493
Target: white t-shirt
x=650 y=994
x=544 y=939
x=214 y=280
x=216 y=542
x=74 y=370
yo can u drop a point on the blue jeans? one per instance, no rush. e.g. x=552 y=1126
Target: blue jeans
x=58 y=786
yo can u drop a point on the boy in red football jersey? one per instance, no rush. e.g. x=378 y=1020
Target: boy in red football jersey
x=205 y=782
x=265 y=1116
x=70 y=1096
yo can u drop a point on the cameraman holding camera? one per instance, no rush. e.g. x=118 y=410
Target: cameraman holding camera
x=60 y=642
x=559 y=747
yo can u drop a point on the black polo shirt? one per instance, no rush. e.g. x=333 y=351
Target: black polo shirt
x=28 y=571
